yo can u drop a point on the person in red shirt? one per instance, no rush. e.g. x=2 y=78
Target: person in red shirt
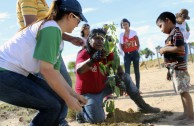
x=129 y=46
x=91 y=83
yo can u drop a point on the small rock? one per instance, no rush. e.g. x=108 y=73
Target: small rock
x=21 y=119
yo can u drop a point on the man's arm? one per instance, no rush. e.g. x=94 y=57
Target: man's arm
x=29 y=19
x=83 y=66
x=74 y=40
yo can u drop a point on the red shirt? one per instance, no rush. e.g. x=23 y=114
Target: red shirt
x=91 y=81
x=129 y=44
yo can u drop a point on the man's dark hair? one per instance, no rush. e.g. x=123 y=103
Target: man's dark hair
x=124 y=20
x=93 y=33
x=168 y=15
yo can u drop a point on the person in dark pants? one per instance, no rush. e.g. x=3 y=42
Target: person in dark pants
x=37 y=49
x=129 y=46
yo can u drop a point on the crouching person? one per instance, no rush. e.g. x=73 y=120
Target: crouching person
x=37 y=49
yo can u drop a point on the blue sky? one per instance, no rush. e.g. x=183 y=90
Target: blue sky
x=141 y=13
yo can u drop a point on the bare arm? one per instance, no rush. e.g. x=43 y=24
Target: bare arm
x=29 y=19
x=83 y=66
x=60 y=86
x=74 y=40
x=137 y=40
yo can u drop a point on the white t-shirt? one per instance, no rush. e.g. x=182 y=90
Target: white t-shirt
x=132 y=33
x=183 y=29
x=21 y=54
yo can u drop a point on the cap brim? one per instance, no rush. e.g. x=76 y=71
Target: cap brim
x=83 y=18
x=188 y=18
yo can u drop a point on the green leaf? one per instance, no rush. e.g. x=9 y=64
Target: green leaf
x=102 y=69
x=117 y=91
x=110 y=107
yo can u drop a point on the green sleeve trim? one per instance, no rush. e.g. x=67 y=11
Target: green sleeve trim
x=2 y=69
x=48 y=45
x=187 y=27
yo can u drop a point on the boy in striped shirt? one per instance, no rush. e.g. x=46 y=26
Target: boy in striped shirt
x=174 y=60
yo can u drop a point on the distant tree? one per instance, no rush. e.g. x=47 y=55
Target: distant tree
x=148 y=53
x=71 y=66
x=192 y=43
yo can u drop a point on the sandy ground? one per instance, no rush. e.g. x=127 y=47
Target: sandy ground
x=157 y=91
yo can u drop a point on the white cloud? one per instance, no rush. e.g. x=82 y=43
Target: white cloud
x=89 y=10
x=3 y=16
x=183 y=1
x=106 y=1
x=143 y=29
x=14 y=26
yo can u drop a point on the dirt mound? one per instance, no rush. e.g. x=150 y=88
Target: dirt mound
x=131 y=118
x=123 y=116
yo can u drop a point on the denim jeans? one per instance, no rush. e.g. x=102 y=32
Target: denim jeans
x=93 y=111
x=66 y=76
x=32 y=92
x=134 y=57
x=131 y=88
x=186 y=52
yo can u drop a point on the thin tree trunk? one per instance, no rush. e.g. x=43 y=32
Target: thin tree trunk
x=190 y=46
x=158 y=59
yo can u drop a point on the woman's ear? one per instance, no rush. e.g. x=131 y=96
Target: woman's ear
x=70 y=15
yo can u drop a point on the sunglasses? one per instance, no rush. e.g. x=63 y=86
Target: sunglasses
x=78 y=19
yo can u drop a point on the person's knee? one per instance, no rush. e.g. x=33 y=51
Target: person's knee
x=54 y=108
x=93 y=112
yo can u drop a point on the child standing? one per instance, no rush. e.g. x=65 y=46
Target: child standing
x=174 y=53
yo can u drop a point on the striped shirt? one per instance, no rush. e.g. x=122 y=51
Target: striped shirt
x=175 y=39
x=38 y=8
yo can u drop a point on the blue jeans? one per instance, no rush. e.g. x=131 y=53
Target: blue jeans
x=93 y=111
x=66 y=76
x=186 y=52
x=133 y=57
x=32 y=92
